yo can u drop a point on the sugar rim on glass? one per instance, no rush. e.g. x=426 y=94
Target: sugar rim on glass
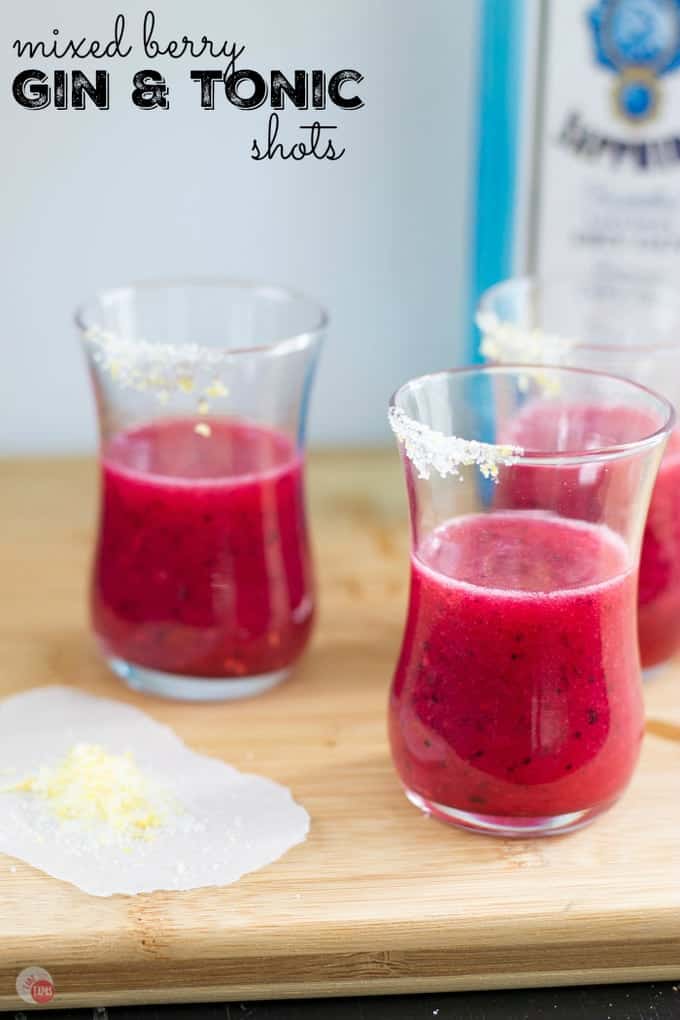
x=428 y=449
x=162 y=368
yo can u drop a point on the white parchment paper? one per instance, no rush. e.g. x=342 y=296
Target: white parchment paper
x=227 y=823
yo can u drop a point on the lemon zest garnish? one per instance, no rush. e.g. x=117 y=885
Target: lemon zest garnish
x=91 y=785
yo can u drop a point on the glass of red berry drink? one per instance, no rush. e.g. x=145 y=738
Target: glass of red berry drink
x=202 y=584
x=629 y=327
x=516 y=704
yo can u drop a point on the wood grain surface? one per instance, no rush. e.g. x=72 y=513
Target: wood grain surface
x=379 y=899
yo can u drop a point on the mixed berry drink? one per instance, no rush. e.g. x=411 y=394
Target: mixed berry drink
x=582 y=492
x=659 y=589
x=203 y=566
x=517 y=693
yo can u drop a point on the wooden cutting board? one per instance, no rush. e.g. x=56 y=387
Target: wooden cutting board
x=379 y=899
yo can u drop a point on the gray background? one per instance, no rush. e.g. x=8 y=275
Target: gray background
x=93 y=198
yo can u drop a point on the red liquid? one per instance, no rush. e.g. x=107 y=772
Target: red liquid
x=203 y=566
x=659 y=589
x=583 y=492
x=517 y=692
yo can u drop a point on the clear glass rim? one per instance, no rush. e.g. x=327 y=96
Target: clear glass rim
x=566 y=457
x=85 y=316
x=556 y=283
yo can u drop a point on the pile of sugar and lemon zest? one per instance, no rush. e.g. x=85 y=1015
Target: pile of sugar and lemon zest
x=159 y=368
x=215 y=824
x=95 y=788
x=430 y=450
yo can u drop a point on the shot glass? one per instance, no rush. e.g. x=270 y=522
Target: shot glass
x=516 y=703
x=202 y=584
x=631 y=328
